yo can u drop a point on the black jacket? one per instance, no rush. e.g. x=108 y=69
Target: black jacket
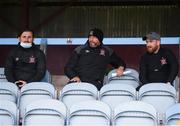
x=90 y=63
x=25 y=64
x=160 y=67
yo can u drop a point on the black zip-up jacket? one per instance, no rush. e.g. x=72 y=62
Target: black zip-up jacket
x=160 y=67
x=25 y=64
x=90 y=63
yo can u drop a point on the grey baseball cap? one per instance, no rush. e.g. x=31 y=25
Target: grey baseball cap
x=152 y=36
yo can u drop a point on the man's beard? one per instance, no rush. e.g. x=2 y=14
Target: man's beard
x=152 y=49
x=93 y=45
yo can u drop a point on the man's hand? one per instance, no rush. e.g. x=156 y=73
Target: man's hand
x=75 y=79
x=120 y=71
x=20 y=83
x=168 y=83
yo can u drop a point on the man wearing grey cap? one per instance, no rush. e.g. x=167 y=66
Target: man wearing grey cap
x=157 y=64
x=88 y=62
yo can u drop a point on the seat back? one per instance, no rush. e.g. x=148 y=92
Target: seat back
x=134 y=113
x=35 y=91
x=131 y=78
x=89 y=113
x=2 y=75
x=114 y=95
x=9 y=91
x=47 y=112
x=8 y=113
x=76 y=92
x=160 y=95
x=47 y=78
x=173 y=115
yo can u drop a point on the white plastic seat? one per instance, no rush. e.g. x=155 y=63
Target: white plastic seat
x=173 y=115
x=76 y=92
x=8 y=113
x=35 y=91
x=114 y=94
x=134 y=113
x=131 y=78
x=160 y=95
x=47 y=78
x=89 y=113
x=9 y=91
x=2 y=75
x=47 y=112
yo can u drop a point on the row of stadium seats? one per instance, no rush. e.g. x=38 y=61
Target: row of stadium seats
x=46 y=78
x=88 y=113
x=117 y=90
x=161 y=96
x=130 y=77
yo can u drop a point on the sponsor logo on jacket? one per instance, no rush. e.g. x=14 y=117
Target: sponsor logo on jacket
x=163 y=61
x=32 y=59
x=102 y=52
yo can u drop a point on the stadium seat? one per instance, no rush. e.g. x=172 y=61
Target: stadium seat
x=47 y=78
x=48 y=112
x=134 y=113
x=160 y=95
x=89 y=113
x=2 y=75
x=114 y=94
x=8 y=113
x=35 y=91
x=173 y=115
x=129 y=78
x=9 y=91
x=77 y=92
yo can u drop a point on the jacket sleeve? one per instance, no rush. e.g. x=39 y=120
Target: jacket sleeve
x=9 y=66
x=174 y=68
x=70 y=67
x=116 y=61
x=40 y=68
x=142 y=71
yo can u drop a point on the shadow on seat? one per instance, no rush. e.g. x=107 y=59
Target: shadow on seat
x=89 y=113
x=9 y=114
x=173 y=115
x=77 y=92
x=9 y=91
x=115 y=94
x=135 y=113
x=47 y=112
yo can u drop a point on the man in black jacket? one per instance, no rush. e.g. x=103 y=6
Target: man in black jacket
x=88 y=62
x=25 y=63
x=157 y=64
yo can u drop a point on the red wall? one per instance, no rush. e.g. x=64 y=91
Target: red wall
x=57 y=55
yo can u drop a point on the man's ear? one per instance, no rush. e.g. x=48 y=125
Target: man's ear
x=158 y=42
x=19 y=39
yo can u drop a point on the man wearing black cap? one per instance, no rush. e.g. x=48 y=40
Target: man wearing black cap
x=157 y=64
x=89 y=62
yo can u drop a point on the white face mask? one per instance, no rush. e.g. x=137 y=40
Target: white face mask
x=26 y=45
